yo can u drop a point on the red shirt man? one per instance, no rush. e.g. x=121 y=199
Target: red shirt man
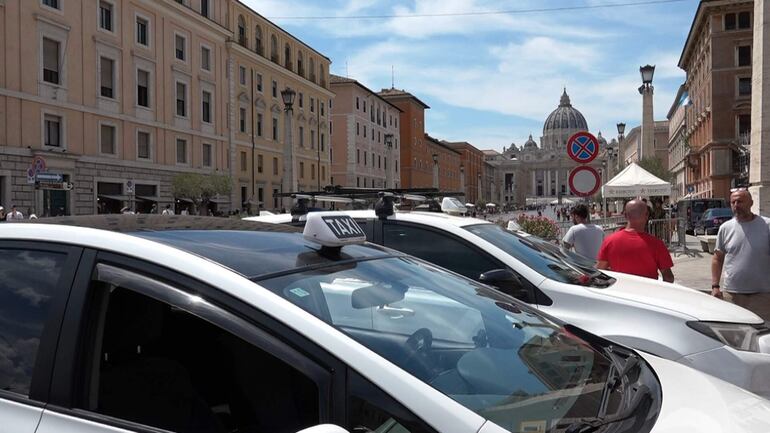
x=633 y=251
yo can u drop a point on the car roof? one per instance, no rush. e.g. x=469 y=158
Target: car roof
x=413 y=216
x=250 y=248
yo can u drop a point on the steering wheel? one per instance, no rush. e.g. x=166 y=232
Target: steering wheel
x=418 y=348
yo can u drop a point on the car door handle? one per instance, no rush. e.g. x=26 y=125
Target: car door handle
x=395 y=313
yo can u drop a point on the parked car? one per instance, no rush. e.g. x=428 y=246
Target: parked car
x=691 y=209
x=195 y=324
x=709 y=222
x=668 y=320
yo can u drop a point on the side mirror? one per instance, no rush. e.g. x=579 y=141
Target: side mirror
x=324 y=428
x=507 y=282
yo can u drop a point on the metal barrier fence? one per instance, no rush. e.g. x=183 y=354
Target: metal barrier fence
x=669 y=230
x=609 y=225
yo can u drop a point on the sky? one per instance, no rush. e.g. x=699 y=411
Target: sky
x=492 y=79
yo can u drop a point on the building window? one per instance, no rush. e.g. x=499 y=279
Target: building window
x=744 y=86
x=300 y=65
x=744 y=125
x=242 y=75
x=301 y=100
x=244 y=164
x=206 y=106
x=258 y=35
x=322 y=109
x=287 y=57
x=107 y=77
x=358 y=107
x=107 y=139
x=205 y=8
x=274 y=49
x=179 y=47
x=51 y=61
x=181 y=99
x=275 y=166
x=242 y=119
x=51 y=3
x=241 y=31
x=358 y=156
x=260 y=195
x=323 y=137
x=142 y=88
x=312 y=104
x=312 y=171
x=274 y=89
x=105 y=16
x=364 y=106
x=52 y=125
x=181 y=151
x=142 y=31
x=312 y=139
x=260 y=163
x=301 y=137
x=301 y=170
x=275 y=129
x=323 y=172
x=205 y=59
x=259 y=83
x=206 y=157
x=312 y=70
x=143 y=145
x=364 y=131
x=358 y=128
x=744 y=20
x=730 y=22
x=744 y=55
x=259 y=124
x=365 y=158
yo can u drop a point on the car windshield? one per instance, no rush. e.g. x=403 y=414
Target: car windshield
x=482 y=348
x=721 y=212
x=532 y=252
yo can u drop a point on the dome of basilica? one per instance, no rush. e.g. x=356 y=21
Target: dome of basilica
x=530 y=144
x=565 y=117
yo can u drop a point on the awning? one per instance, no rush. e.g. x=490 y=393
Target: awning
x=219 y=200
x=184 y=200
x=143 y=198
x=114 y=197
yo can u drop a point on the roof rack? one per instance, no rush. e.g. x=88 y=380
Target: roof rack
x=385 y=198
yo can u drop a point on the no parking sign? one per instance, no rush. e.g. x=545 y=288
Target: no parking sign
x=583 y=147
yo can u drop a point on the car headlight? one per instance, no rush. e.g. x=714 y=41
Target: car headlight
x=739 y=336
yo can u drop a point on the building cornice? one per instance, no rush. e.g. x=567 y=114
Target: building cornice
x=205 y=24
x=698 y=20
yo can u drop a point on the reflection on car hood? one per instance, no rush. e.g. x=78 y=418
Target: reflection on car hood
x=677 y=298
x=696 y=402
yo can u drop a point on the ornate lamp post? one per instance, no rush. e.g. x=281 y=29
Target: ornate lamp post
x=435 y=170
x=388 y=176
x=621 y=131
x=646 y=90
x=289 y=180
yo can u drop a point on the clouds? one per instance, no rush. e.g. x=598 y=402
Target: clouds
x=495 y=76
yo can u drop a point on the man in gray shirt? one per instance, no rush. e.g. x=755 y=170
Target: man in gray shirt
x=743 y=252
x=585 y=237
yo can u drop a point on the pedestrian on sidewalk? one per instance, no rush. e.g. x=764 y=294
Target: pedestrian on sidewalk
x=584 y=237
x=634 y=251
x=14 y=215
x=743 y=251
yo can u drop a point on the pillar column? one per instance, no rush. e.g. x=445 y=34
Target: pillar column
x=289 y=179
x=647 y=147
x=759 y=165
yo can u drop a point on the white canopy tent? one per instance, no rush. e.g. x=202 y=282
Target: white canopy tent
x=634 y=181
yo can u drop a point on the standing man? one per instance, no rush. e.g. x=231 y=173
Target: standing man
x=585 y=237
x=168 y=210
x=634 y=251
x=743 y=251
x=14 y=215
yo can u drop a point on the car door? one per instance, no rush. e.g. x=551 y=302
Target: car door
x=146 y=349
x=35 y=279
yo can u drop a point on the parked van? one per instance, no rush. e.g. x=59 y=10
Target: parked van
x=691 y=209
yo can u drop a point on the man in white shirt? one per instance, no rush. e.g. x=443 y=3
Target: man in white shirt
x=584 y=237
x=14 y=215
x=168 y=210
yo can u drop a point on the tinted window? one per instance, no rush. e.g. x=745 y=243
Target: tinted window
x=28 y=282
x=439 y=248
x=158 y=365
x=371 y=408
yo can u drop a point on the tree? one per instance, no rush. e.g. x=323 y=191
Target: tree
x=655 y=167
x=200 y=188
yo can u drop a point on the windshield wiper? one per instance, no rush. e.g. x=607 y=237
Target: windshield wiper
x=588 y=425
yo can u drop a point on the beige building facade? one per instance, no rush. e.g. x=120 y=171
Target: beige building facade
x=116 y=97
x=365 y=137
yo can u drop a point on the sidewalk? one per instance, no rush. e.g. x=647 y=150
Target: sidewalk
x=692 y=269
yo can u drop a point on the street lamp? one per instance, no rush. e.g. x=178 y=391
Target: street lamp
x=288 y=181
x=435 y=170
x=462 y=180
x=647 y=71
x=389 y=145
x=621 y=131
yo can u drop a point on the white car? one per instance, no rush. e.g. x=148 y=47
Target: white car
x=193 y=324
x=667 y=320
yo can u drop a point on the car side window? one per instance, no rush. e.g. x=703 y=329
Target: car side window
x=440 y=249
x=371 y=410
x=159 y=363
x=29 y=280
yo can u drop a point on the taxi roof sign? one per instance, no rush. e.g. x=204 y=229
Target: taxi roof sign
x=332 y=229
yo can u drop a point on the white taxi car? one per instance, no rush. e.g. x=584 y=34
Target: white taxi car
x=190 y=324
x=668 y=320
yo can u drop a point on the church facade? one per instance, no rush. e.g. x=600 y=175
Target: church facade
x=539 y=173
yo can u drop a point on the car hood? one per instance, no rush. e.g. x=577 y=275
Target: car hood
x=696 y=402
x=675 y=297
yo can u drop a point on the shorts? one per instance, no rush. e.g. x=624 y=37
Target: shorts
x=758 y=303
